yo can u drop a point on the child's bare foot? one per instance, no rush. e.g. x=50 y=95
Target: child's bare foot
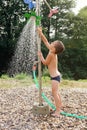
x=52 y=111
x=62 y=107
x=56 y=114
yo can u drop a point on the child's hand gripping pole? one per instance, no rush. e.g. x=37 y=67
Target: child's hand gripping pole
x=52 y=11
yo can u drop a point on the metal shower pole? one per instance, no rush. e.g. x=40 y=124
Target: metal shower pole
x=39 y=49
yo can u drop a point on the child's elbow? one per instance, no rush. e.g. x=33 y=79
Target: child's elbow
x=44 y=63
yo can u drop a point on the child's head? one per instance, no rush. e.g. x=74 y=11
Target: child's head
x=59 y=47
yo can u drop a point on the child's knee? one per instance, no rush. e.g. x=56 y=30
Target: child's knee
x=55 y=88
x=54 y=91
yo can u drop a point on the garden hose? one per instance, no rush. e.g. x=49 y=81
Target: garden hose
x=52 y=105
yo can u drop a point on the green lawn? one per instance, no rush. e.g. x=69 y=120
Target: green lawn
x=23 y=80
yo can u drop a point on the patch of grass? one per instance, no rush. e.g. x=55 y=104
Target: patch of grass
x=24 y=80
x=46 y=81
x=20 y=80
x=4 y=76
x=74 y=83
x=83 y=80
x=21 y=76
x=65 y=83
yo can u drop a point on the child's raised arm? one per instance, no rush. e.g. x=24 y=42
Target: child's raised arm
x=43 y=38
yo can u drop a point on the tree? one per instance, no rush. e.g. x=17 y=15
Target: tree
x=76 y=47
x=72 y=31
x=10 y=13
x=59 y=21
x=10 y=27
x=83 y=12
x=59 y=25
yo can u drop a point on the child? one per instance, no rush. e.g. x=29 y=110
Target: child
x=51 y=61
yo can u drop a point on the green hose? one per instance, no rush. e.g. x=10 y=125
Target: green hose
x=52 y=105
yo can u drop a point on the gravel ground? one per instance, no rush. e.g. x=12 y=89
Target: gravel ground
x=16 y=105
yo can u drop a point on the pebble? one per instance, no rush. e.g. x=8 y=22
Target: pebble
x=16 y=105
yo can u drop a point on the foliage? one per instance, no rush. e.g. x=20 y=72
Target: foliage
x=27 y=81
x=83 y=12
x=20 y=80
x=4 y=76
x=10 y=28
x=72 y=31
x=10 y=12
x=45 y=72
x=21 y=76
x=65 y=25
x=58 y=21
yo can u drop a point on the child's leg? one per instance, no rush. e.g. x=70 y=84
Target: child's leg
x=56 y=95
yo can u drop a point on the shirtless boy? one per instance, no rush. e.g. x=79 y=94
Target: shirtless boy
x=51 y=62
